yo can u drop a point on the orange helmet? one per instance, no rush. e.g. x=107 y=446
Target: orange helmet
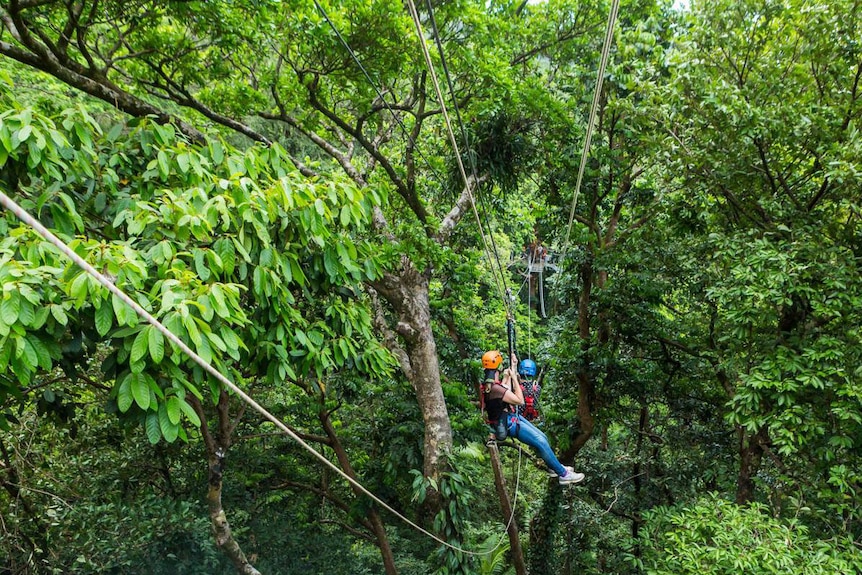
x=492 y=359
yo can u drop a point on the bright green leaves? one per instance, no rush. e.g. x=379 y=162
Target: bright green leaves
x=10 y=307
x=32 y=138
x=233 y=251
x=716 y=536
x=770 y=291
x=163 y=411
x=104 y=318
x=155 y=344
x=32 y=311
x=140 y=345
x=137 y=389
x=140 y=388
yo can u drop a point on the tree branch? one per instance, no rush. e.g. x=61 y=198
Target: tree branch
x=98 y=88
x=458 y=210
x=405 y=191
x=390 y=340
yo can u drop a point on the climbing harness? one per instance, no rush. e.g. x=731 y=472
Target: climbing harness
x=530 y=409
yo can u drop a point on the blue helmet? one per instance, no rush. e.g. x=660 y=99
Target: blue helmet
x=527 y=367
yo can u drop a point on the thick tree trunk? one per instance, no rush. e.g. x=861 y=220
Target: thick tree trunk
x=750 y=457
x=586 y=387
x=407 y=294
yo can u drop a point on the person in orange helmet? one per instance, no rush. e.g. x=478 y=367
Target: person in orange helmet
x=500 y=395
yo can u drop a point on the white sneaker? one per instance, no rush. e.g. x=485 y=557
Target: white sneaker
x=552 y=474
x=571 y=477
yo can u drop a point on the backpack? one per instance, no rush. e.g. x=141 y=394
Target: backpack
x=530 y=409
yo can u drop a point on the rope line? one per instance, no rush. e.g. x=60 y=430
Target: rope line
x=470 y=156
x=28 y=219
x=455 y=107
x=514 y=503
x=46 y=234
x=503 y=292
x=401 y=125
x=606 y=49
x=379 y=93
x=529 y=304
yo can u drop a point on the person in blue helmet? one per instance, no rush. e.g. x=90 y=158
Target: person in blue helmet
x=501 y=396
x=531 y=388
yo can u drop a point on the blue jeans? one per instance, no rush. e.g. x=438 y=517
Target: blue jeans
x=524 y=431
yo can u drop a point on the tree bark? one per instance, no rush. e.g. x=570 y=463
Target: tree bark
x=506 y=508
x=408 y=295
x=586 y=386
x=217 y=446
x=373 y=516
x=101 y=89
x=750 y=458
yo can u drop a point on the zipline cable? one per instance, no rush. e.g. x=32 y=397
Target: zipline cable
x=46 y=234
x=506 y=300
x=529 y=304
x=380 y=95
x=606 y=49
x=504 y=294
x=377 y=90
x=470 y=157
x=505 y=291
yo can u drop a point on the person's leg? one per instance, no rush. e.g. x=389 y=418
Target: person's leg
x=525 y=431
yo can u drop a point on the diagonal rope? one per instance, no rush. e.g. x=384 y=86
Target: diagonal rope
x=503 y=294
x=464 y=136
x=505 y=291
x=454 y=142
x=436 y=33
x=529 y=305
x=28 y=219
x=377 y=90
x=606 y=49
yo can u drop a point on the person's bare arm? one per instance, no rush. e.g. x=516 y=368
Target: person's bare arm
x=512 y=382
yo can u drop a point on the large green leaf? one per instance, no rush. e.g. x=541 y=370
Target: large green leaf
x=140 y=390
x=9 y=307
x=169 y=429
x=156 y=344
x=140 y=345
x=189 y=412
x=173 y=410
x=104 y=318
x=153 y=428
x=124 y=394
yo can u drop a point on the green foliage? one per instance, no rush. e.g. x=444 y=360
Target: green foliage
x=450 y=523
x=761 y=129
x=226 y=248
x=724 y=297
x=714 y=537
x=101 y=499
